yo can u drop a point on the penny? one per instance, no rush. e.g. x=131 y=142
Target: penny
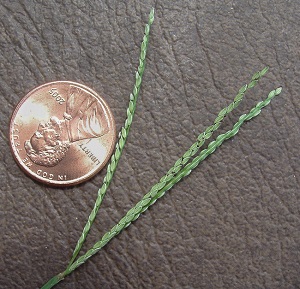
x=62 y=133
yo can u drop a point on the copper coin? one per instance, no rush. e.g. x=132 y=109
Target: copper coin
x=62 y=133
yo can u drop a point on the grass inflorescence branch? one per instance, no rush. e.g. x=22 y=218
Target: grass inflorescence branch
x=123 y=134
x=194 y=148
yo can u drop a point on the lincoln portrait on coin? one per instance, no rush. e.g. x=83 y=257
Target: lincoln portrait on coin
x=85 y=118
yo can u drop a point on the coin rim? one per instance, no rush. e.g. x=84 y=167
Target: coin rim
x=76 y=181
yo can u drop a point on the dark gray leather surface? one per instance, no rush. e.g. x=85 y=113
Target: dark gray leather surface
x=235 y=221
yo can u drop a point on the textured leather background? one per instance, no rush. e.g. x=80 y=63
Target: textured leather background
x=235 y=221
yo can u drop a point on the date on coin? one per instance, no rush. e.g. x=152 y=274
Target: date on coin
x=62 y=133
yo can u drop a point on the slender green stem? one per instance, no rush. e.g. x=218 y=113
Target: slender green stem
x=52 y=282
x=121 y=142
x=150 y=199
